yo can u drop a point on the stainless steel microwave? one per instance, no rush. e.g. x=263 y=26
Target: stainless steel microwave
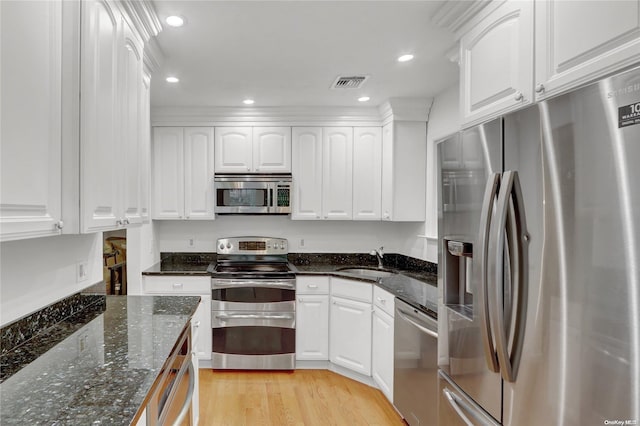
x=252 y=194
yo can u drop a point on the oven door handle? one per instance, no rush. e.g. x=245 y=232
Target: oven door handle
x=226 y=317
x=233 y=283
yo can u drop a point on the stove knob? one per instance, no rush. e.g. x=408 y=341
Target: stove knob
x=221 y=246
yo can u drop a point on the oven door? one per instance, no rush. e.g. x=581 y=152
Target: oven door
x=253 y=295
x=256 y=340
x=234 y=197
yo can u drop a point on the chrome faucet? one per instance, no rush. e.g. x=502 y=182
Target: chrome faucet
x=379 y=254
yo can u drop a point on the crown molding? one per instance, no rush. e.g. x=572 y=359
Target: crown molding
x=153 y=56
x=405 y=109
x=308 y=116
x=144 y=18
x=454 y=15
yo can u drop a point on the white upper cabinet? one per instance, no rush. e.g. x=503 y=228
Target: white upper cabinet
x=234 y=149
x=572 y=51
x=253 y=150
x=367 y=173
x=111 y=112
x=183 y=160
x=168 y=173
x=307 y=173
x=272 y=149
x=337 y=169
x=404 y=164
x=145 y=148
x=30 y=142
x=101 y=159
x=131 y=80
x=198 y=173
x=496 y=63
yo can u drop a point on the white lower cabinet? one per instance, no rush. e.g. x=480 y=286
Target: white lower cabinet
x=312 y=318
x=180 y=285
x=382 y=341
x=350 y=325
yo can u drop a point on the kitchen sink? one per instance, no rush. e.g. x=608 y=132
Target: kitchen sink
x=367 y=272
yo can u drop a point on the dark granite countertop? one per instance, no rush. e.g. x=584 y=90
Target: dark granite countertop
x=103 y=371
x=415 y=281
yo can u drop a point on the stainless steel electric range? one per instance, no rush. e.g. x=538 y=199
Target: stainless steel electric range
x=253 y=290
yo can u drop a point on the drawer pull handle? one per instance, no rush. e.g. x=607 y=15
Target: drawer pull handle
x=312 y=286
x=177 y=285
x=381 y=300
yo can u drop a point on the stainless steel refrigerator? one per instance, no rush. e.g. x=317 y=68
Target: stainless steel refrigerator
x=539 y=277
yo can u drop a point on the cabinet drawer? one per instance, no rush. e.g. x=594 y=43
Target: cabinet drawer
x=351 y=289
x=176 y=284
x=312 y=285
x=383 y=300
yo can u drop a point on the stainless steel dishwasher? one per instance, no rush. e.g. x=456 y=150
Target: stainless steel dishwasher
x=415 y=385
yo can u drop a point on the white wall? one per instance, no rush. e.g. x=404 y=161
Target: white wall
x=37 y=272
x=444 y=120
x=142 y=252
x=318 y=236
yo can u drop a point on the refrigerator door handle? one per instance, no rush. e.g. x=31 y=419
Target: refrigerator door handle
x=510 y=203
x=456 y=404
x=490 y=194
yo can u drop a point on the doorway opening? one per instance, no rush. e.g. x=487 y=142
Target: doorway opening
x=114 y=255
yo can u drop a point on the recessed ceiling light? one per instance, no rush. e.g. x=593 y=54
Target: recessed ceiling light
x=175 y=21
x=172 y=79
x=248 y=101
x=405 y=58
x=363 y=99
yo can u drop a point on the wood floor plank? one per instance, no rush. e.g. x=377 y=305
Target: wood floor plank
x=299 y=398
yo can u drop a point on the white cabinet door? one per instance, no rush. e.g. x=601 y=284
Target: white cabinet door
x=578 y=41
x=350 y=334
x=168 y=173
x=312 y=327
x=367 y=173
x=382 y=352
x=307 y=173
x=496 y=70
x=30 y=141
x=145 y=148
x=130 y=80
x=337 y=169
x=404 y=164
x=101 y=161
x=198 y=173
x=233 y=149
x=272 y=149
x=201 y=328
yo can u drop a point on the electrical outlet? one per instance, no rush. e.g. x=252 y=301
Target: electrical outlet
x=191 y=241
x=82 y=270
x=301 y=242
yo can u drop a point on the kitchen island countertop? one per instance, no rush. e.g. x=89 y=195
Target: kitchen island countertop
x=103 y=372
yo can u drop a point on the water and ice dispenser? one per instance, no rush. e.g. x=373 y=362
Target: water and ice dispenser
x=458 y=274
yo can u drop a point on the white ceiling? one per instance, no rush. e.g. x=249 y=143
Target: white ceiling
x=288 y=53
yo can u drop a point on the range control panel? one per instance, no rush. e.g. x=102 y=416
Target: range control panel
x=252 y=245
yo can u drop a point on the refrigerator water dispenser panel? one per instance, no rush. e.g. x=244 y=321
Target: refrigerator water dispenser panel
x=458 y=267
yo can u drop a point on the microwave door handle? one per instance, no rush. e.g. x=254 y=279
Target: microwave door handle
x=271 y=203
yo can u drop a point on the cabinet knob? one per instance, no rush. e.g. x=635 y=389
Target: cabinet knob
x=518 y=96
x=248 y=169
x=60 y=224
x=539 y=88
x=196 y=324
x=326 y=216
x=317 y=216
x=119 y=222
x=126 y=221
x=299 y=299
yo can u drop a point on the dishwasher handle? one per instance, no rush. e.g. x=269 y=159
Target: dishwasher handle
x=189 y=398
x=405 y=316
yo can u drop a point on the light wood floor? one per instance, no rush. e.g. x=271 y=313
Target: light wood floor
x=302 y=397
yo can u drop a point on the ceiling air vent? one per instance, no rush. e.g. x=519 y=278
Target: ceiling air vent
x=350 y=82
